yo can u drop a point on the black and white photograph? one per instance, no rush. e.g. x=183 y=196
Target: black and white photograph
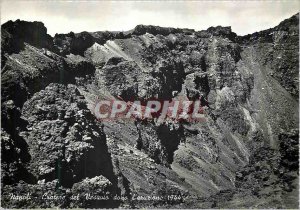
x=149 y=104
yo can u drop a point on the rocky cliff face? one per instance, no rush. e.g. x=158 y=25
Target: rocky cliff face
x=244 y=154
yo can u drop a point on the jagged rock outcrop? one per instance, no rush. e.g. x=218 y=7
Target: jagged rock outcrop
x=244 y=154
x=63 y=142
x=15 y=34
x=224 y=32
x=143 y=29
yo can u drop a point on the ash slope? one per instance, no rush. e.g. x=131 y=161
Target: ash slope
x=245 y=154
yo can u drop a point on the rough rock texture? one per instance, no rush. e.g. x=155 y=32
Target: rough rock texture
x=15 y=34
x=279 y=52
x=269 y=180
x=243 y=155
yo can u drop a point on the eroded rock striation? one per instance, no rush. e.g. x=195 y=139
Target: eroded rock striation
x=243 y=155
